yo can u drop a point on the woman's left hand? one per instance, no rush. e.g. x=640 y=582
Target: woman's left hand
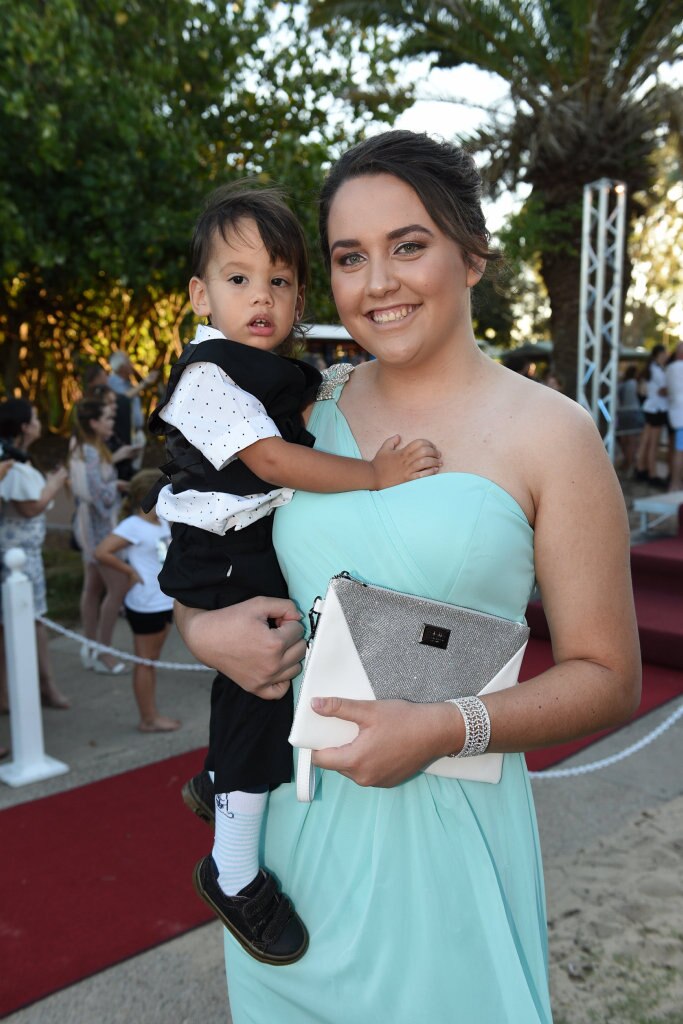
x=397 y=739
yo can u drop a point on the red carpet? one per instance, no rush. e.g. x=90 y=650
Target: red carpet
x=657 y=572
x=93 y=876
x=660 y=684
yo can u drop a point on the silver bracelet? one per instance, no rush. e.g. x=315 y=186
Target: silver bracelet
x=477 y=726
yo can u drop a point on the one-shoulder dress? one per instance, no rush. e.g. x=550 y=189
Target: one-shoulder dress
x=424 y=902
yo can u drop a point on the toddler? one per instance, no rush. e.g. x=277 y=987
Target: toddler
x=238 y=447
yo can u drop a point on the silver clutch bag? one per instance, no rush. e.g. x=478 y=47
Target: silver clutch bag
x=372 y=643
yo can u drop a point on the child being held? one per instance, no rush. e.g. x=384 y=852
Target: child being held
x=232 y=416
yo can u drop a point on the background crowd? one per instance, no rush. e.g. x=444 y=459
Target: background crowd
x=649 y=416
x=103 y=471
x=107 y=448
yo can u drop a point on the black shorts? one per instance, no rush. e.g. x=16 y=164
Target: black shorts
x=248 y=744
x=146 y=623
x=204 y=570
x=656 y=419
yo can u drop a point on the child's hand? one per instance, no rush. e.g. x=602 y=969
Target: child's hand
x=394 y=465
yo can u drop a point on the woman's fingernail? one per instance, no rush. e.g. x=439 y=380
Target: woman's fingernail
x=318 y=703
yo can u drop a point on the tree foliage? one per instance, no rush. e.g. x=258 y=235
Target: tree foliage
x=654 y=306
x=117 y=117
x=585 y=102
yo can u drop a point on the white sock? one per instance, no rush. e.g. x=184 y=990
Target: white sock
x=236 y=840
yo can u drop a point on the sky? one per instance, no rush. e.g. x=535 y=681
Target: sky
x=434 y=113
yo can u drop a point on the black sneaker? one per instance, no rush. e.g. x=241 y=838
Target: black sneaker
x=198 y=794
x=261 y=918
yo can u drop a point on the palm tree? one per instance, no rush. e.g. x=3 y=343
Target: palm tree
x=586 y=102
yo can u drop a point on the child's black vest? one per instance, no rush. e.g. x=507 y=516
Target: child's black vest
x=283 y=386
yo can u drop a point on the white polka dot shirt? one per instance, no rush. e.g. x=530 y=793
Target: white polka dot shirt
x=220 y=419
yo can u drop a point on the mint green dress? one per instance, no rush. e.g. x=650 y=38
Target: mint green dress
x=424 y=902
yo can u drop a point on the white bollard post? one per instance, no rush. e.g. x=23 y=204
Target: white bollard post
x=29 y=760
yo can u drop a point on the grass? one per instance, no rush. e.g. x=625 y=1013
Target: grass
x=64 y=578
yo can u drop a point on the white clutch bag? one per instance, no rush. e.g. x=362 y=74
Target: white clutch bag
x=372 y=643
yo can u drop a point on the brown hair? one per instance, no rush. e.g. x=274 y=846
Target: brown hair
x=86 y=410
x=445 y=178
x=280 y=231
x=140 y=485
x=278 y=227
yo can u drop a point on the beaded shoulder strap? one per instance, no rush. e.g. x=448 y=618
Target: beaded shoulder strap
x=333 y=376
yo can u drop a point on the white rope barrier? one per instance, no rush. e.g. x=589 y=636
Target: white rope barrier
x=123 y=655
x=605 y=762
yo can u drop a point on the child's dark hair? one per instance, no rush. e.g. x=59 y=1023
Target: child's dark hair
x=278 y=227
x=140 y=485
x=444 y=177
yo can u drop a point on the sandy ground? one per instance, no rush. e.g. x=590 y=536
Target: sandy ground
x=615 y=915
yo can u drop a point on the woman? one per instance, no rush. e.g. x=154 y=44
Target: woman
x=630 y=416
x=25 y=495
x=655 y=409
x=122 y=454
x=96 y=490
x=423 y=895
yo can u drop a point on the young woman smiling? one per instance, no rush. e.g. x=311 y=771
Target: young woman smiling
x=424 y=895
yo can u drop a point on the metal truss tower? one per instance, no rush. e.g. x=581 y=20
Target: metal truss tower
x=602 y=259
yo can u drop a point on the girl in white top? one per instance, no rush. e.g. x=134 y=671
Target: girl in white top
x=137 y=547
x=655 y=409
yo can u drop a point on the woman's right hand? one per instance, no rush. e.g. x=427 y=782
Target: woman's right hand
x=240 y=642
x=123 y=452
